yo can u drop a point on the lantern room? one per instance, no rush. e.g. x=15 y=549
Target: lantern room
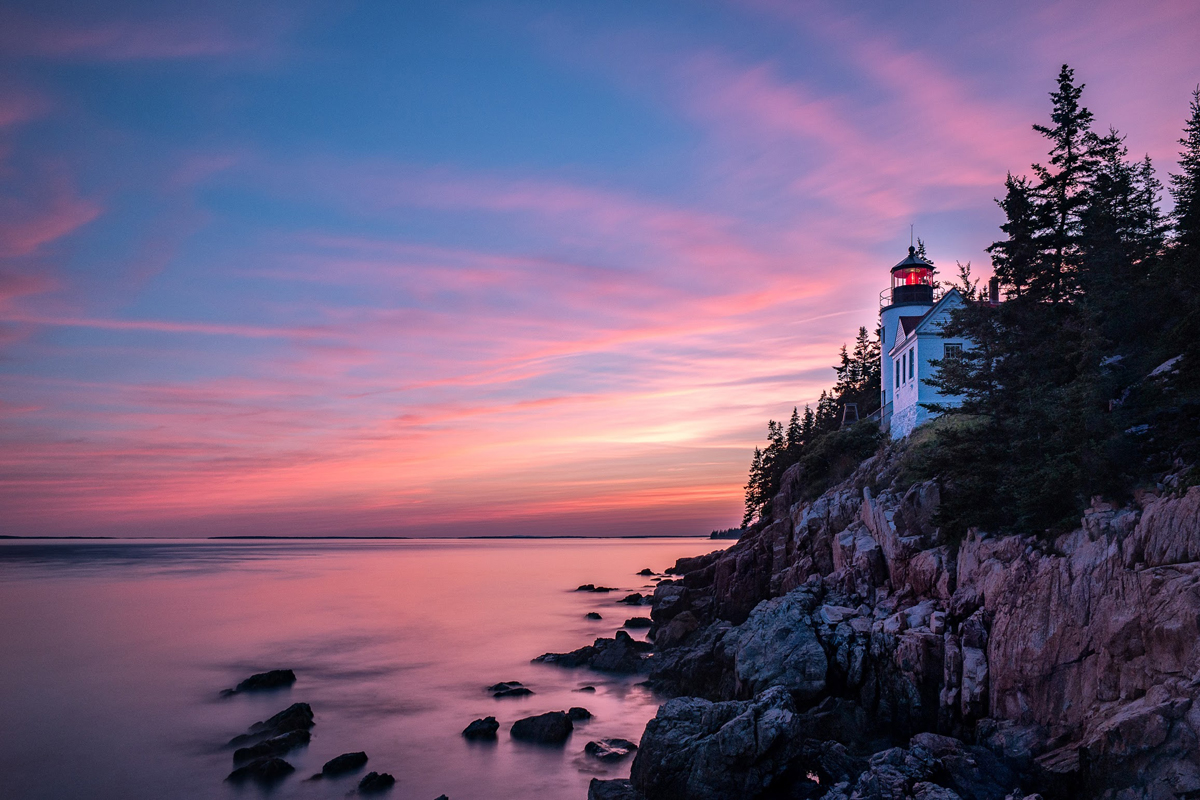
x=912 y=280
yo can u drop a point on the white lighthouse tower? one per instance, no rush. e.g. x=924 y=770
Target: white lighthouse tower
x=910 y=295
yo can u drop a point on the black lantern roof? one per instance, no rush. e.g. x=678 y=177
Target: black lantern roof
x=913 y=261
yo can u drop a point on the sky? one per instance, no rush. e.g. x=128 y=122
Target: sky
x=488 y=268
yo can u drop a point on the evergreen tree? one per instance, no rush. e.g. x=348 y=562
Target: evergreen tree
x=1062 y=192
x=1185 y=186
x=795 y=437
x=1033 y=392
x=1014 y=258
x=754 y=489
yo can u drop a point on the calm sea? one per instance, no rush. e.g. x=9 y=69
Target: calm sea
x=113 y=654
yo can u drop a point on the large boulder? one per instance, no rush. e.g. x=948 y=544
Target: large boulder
x=697 y=750
x=553 y=727
x=777 y=646
x=621 y=654
x=482 y=729
x=346 y=762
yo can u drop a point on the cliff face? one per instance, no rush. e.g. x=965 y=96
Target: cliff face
x=1068 y=667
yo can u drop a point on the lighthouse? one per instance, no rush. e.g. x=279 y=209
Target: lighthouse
x=912 y=312
x=911 y=294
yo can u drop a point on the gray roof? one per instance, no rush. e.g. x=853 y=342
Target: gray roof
x=913 y=260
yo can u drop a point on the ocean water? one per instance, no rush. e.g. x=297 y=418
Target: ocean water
x=113 y=654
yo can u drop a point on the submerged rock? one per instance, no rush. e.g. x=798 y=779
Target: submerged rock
x=638 y=622
x=509 y=689
x=263 y=770
x=577 y=713
x=646 y=571
x=553 y=727
x=622 y=654
x=275 y=746
x=296 y=717
x=610 y=749
x=588 y=587
x=594 y=615
x=274 y=679
x=634 y=599
x=346 y=762
x=482 y=729
x=374 y=782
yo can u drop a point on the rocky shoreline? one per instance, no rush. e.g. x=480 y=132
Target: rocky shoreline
x=850 y=650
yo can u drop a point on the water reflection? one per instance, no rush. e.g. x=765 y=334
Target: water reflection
x=115 y=652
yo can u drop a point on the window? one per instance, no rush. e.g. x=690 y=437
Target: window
x=896 y=369
x=912 y=360
x=953 y=350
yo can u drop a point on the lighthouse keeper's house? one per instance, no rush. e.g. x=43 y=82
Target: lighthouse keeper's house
x=912 y=313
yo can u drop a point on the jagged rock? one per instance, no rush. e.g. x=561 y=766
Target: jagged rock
x=263 y=770
x=376 y=782
x=275 y=746
x=346 y=762
x=610 y=749
x=701 y=666
x=274 y=679
x=296 y=717
x=612 y=790
x=553 y=727
x=1072 y=661
x=668 y=601
x=699 y=750
x=676 y=630
x=777 y=646
x=621 y=654
x=482 y=729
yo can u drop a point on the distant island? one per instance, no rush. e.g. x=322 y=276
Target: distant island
x=728 y=533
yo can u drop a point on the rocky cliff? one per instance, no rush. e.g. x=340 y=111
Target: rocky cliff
x=849 y=650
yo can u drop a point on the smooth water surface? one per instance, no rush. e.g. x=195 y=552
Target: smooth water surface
x=114 y=652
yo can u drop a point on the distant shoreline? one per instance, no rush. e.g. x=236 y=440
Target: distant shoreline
x=341 y=538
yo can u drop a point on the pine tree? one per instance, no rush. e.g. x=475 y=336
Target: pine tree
x=1180 y=275
x=1185 y=186
x=1062 y=192
x=1033 y=392
x=1014 y=258
x=795 y=434
x=754 y=489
